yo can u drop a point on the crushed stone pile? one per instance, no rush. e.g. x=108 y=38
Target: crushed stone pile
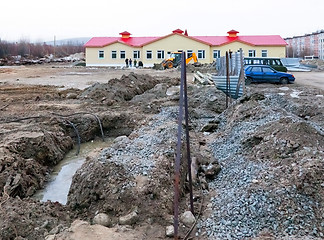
x=272 y=176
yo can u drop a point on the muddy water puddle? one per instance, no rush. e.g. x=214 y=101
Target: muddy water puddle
x=60 y=181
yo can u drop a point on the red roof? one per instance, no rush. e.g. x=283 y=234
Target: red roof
x=262 y=40
x=177 y=31
x=266 y=40
x=132 y=41
x=125 y=33
x=232 y=31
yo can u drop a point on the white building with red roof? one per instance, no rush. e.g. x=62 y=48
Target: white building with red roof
x=113 y=51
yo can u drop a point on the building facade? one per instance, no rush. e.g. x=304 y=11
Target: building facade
x=308 y=45
x=113 y=51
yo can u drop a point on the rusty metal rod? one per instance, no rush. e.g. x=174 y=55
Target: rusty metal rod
x=177 y=163
x=183 y=103
x=184 y=73
x=227 y=79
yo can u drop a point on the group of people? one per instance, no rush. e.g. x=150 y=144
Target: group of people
x=129 y=63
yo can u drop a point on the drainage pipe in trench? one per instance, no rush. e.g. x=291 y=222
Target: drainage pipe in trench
x=80 y=113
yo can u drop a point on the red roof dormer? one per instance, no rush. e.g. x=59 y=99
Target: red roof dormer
x=179 y=31
x=232 y=33
x=125 y=34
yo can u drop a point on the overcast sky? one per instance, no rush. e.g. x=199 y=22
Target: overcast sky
x=39 y=20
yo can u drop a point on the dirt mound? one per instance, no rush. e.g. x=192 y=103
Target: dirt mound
x=28 y=219
x=26 y=157
x=116 y=90
x=203 y=68
x=283 y=139
x=316 y=64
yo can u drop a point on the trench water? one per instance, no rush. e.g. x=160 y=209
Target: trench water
x=58 y=186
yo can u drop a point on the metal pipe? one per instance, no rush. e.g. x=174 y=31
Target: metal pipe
x=227 y=79
x=183 y=103
x=184 y=75
x=177 y=164
x=92 y=114
x=78 y=136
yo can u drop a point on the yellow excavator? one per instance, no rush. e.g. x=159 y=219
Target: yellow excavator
x=175 y=60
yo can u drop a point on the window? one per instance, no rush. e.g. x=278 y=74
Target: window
x=216 y=54
x=113 y=54
x=201 y=54
x=256 y=69
x=269 y=70
x=160 y=54
x=101 y=54
x=136 y=54
x=251 y=53
x=189 y=53
x=264 y=53
x=122 y=54
x=149 y=54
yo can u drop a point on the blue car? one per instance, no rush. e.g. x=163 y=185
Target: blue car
x=264 y=73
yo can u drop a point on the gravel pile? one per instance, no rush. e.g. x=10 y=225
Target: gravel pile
x=242 y=208
x=138 y=152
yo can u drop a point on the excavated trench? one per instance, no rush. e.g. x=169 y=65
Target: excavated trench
x=42 y=125
x=58 y=186
x=42 y=145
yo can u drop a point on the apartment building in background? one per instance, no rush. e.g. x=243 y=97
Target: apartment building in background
x=308 y=45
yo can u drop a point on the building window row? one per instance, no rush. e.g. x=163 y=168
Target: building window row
x=252 y=53
x=160 y=54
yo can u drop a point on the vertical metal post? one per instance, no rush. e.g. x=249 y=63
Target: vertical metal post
x=183 y=103
x=227 y=79
x=242 y=69
x=184 y=74
x=230 y=74
x=177 y=163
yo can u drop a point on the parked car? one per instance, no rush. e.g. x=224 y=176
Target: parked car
x=264 y=73
x=275 y=63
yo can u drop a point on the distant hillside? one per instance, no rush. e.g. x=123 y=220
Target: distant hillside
x=70 y=41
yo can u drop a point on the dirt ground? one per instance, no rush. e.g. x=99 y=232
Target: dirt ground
x=66 y=76
x=315 y=79
x=133 y=179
